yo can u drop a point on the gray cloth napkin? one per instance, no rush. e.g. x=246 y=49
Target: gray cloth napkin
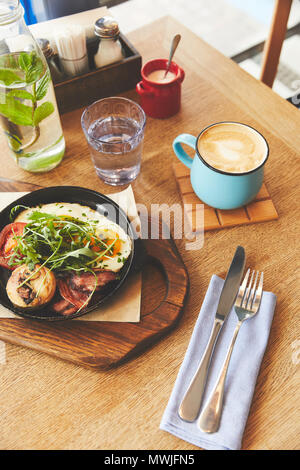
x=241 y=377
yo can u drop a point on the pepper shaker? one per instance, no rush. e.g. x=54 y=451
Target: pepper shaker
x=110 y=49
x=50 y=58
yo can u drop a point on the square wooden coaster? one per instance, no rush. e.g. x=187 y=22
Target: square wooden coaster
x=261 y=209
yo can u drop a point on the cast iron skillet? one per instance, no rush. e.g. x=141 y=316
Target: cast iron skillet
x=85 y=197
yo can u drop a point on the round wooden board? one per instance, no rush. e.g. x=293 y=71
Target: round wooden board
x=108 y=344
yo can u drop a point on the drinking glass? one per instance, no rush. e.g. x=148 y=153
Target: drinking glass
x=114 y=129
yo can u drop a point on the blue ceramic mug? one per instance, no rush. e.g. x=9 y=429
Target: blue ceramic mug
x=217 y=188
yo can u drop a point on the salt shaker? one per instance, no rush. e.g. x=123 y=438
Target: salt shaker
x=110 y=49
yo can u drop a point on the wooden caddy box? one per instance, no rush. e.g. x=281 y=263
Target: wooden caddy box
x=82 y=90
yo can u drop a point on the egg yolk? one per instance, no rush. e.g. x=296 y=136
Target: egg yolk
x=115 y=248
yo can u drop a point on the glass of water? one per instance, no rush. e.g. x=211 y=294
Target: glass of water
x=114 y=129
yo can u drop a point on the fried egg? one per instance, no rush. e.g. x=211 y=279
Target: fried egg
x=112 y=233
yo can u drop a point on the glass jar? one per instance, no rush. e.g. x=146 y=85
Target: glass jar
x=28 y=109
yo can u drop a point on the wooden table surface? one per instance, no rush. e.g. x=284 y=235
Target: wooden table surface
x=47 y=403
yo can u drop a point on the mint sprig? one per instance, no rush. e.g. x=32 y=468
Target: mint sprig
x=31 y=65
x=31 y=68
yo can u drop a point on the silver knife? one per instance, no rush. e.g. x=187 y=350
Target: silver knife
x=190 y=405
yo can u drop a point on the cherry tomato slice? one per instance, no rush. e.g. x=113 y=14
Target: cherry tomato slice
x=8 y=242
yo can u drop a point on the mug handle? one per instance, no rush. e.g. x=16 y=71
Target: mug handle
x=189 y=140
x=143 y=91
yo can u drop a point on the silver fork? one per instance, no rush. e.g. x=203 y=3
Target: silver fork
x=246 y=306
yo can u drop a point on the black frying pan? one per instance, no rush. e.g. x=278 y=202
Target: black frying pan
x=85 y=197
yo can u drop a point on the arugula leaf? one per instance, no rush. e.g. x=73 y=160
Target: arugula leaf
x=42 y=111
x=81 y=252
x=14 y=211
x=36 y=215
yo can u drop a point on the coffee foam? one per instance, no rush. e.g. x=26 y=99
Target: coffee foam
x=232 y=147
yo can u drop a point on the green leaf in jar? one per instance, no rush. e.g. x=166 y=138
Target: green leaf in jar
x=8 y=78
x=41 y=112
x=25 y=60
x=35 y=70
x=15 y=111
x=32 y=65
x=43 y=86
x=22 y=94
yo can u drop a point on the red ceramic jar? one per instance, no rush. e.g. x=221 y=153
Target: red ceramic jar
x=160 y=100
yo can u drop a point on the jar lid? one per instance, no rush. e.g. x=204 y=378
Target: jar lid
x=107 y=27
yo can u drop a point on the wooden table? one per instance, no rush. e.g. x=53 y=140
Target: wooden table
x=47 y=403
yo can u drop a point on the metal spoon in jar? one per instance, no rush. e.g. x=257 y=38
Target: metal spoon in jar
x=174 y=45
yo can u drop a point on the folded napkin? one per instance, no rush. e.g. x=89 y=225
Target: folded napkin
x=241 y=376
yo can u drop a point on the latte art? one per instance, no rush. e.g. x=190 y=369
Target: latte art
x=232 y=147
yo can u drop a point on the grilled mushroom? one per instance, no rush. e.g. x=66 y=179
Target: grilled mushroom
x=31 y=288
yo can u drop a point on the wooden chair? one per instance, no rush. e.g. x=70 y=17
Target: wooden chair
x=273 y=45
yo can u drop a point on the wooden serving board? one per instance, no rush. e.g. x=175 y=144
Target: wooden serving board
x=107 y=344
x=261 y=209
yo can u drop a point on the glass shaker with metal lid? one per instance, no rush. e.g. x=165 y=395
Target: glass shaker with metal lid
x=50 y=56
x=110 y=49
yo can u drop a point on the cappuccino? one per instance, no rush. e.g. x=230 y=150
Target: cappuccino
x=232 y=147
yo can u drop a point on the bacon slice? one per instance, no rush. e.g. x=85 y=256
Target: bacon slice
x=64 y=307
x=86 y=281
x=74 y=296
x=104 y=277
x=78 y=288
